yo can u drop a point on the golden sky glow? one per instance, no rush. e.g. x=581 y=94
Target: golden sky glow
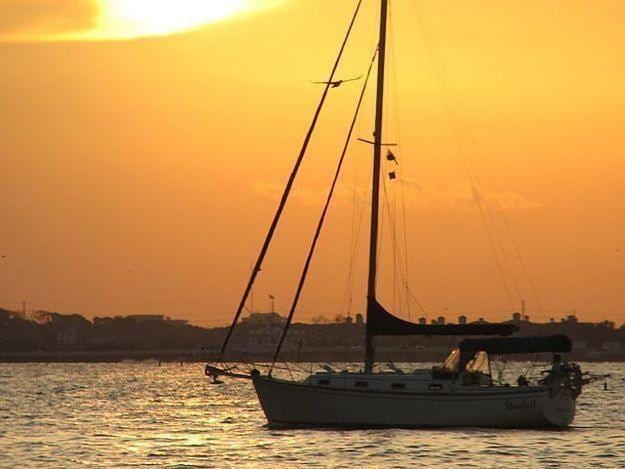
x=140 y=175
x=131 y=19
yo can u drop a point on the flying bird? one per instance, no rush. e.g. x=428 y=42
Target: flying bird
x=336 y=83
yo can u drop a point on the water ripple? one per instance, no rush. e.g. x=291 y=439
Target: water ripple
x=142 y=415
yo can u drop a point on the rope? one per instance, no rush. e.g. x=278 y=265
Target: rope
x=358 y=208
x=357 y=214
x=393 y=234
x=489 y=182
x=481 y=161
x=488 y=221
x=398 y=168
x=323 y=214
x=289 y=185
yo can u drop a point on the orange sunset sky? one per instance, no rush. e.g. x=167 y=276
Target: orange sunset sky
x=144 y=144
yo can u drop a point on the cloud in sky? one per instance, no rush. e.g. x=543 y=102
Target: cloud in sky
x=305 y=196
x=463 y=197
x=22 y=18
x=418 y=196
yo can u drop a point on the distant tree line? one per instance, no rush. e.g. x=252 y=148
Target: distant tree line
x=49 y=331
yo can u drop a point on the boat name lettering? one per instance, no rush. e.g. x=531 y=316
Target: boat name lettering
x=516 y=404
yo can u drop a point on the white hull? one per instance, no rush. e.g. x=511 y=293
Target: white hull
x=288 y=403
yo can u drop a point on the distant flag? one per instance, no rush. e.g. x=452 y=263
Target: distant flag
x=391 y=157
x=271 y=297
x=392 y=175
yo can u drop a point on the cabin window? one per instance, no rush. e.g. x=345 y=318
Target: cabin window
x=398 y=386
x=324 y=382
x=361 y=384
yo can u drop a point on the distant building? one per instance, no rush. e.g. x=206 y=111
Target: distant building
x=141 y=318
x=264 y=318
x=266 y=338
x=462 y=319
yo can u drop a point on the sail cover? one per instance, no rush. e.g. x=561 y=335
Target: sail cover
x=551 y=343
x=381 y=322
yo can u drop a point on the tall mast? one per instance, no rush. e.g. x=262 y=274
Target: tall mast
x=375 y=190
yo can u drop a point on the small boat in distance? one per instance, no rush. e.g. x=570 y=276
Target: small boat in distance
x=460 y=392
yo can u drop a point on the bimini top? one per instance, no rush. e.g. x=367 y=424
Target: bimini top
x=550 y=343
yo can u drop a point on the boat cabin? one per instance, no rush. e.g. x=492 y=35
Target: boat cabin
x=476 y=372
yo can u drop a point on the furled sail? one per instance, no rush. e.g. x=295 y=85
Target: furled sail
x=381 y=322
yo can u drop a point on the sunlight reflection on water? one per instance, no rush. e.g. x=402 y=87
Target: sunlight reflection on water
x=143 y=414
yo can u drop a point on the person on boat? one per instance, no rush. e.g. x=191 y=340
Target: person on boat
x=556 y=362
x=559 y=368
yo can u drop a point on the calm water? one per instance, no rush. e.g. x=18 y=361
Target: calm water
x=142 y=414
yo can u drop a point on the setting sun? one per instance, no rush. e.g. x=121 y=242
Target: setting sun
x=133 y=18
x=114 y=20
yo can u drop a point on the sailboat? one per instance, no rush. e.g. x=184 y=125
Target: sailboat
x=460 y=392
